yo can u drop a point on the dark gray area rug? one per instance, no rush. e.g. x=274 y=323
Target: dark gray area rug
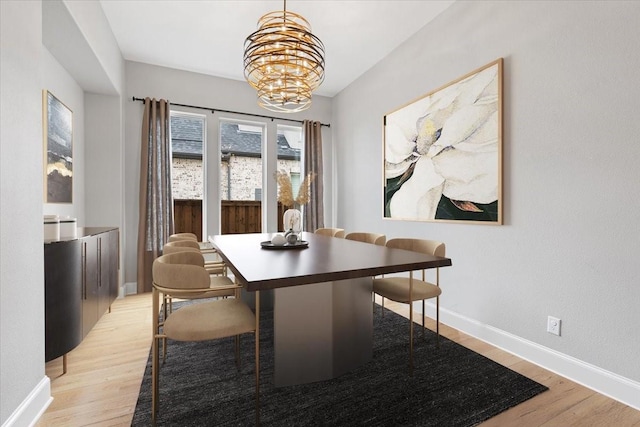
x=451 y=385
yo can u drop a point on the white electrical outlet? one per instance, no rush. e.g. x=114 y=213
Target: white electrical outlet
x=553 y=325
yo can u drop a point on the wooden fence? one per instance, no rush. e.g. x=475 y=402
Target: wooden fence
x=187 y=217
x=236 y=216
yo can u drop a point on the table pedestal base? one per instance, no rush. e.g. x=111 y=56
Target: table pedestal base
x=322 y=330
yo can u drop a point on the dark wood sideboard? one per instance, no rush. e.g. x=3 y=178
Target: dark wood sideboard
x=81 y=282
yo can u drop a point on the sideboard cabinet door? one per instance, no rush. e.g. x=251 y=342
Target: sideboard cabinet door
x=114 y=264
x=108 y=270
x=90 y=282
x=63 y=297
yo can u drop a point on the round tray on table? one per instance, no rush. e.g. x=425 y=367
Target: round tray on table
x=300 y=244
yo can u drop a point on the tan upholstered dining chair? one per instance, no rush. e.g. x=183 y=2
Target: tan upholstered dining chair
x=408 y=289
x=174 y=276
x=375 y=238
x=219 y=286
x=331 y=232
x=213 y=267
x=182 y=236
x=205 y=247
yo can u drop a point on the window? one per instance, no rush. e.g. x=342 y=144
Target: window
x=242 y=173
x=289 y=151
x=187 y=137
x=187 y=182
x=241 y=165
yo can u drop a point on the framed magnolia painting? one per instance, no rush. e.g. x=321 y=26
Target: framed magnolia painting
x=443 y=152
x=58 y=147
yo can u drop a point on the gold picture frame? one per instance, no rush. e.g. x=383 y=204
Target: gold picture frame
x=58 y=150
x=443 y=152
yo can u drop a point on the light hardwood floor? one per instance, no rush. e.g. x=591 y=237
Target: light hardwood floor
x=104 y=374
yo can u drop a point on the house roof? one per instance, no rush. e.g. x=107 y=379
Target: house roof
x=186 y=137
x=186 y=140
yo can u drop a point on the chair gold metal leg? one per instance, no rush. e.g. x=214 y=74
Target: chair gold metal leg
x=164 y=339
x=411 y=323
x=64 y=363
x=423 y=316
x=423 y=312
x=438 y=309
x=257 y=356
x=166 y=302
x=438 y=321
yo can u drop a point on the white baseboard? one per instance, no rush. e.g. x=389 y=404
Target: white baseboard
x=600 y=380
x=32 y=408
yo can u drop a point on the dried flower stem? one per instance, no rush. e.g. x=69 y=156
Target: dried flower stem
x=285 y=192
x=304 y=193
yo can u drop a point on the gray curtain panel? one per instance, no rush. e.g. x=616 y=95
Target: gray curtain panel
x=314 y=210
x=155 y=223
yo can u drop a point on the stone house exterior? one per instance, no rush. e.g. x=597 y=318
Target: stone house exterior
x=186 y=144
x=240 y=165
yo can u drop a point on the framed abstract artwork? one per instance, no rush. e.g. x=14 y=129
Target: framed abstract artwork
x=443 y=152
x=58 y=147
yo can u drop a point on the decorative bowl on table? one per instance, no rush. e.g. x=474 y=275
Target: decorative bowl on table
x=279 y=241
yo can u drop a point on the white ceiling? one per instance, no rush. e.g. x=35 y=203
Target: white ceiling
x=208 y=36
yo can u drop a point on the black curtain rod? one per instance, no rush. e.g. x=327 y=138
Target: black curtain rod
x=213 y=110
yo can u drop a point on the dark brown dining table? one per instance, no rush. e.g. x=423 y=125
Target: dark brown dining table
x=322 y=311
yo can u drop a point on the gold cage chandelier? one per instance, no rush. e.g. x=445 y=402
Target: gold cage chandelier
x=284 y=61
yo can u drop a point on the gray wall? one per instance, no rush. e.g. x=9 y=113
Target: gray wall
x=21 y=186
x=570 y=242
x=103 y=159
x=60 y=83
x=183 y=87
x=68 y=49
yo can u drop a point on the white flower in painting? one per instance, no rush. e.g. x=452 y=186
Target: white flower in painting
x=399 y=155
x=419 y=196
x=451 y=148
x=469 y=165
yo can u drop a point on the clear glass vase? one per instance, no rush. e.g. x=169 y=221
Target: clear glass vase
x=292 y=222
